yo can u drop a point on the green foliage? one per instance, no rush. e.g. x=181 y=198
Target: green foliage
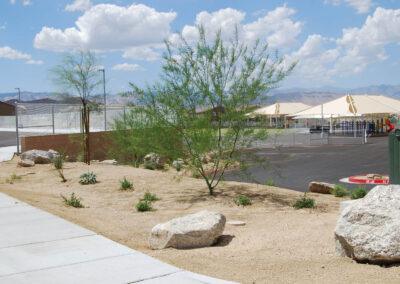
x=339 y=190
x=244 y=201
x=150 y=197
x=205 y=88
x=359 y=192
x=194 y=173
x=88 y=178
x=270 y=182
x=149 y=166
x=144 y=206
x=304 y=202
x=73 y=201
x=58 y=162
x=13 y=178
x=125 y=184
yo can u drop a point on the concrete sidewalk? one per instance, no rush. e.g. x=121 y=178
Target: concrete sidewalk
x=7 y=153
x=38 y=247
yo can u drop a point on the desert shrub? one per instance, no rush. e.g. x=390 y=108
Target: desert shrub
x=149 y=165
x=58 y=162
x=88 y=178
x=144 y=205
x=195 y=173
x=150 y=197
x=304 y=202
x=339 y=190
x=13 y=178
x=359 y=192
x=125 y=184
x=73 y=201
x=270 y=182
x=244 y=201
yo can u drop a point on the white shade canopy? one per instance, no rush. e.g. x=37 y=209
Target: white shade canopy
x=341 y=107
x=280 y=109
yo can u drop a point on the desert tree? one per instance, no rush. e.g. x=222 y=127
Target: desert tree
x=223 y=78
x=78 y=76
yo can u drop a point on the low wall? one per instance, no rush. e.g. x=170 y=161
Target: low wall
x=69 y=144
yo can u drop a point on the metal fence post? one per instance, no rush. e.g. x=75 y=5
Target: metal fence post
x=52 y=117
x=16 y=126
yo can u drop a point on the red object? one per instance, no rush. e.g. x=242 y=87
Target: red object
x=391 y=126
x=363 y=179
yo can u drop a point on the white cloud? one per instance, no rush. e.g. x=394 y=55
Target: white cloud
x=3 y=27
x=127 y=67
x=10 y=53
x=78 y=5
x=362 y=6
x=107 y=27
x=12 y=1
x=351 y=53
x=141 y=53
x=27 y=3
x=36 y=62
x=276 y=27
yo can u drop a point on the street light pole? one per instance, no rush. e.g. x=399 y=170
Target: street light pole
x=105 y=100
x=19 y=94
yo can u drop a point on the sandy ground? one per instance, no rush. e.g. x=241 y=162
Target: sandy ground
x=278 y=244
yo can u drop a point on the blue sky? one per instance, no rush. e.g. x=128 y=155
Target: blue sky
x=341 y=43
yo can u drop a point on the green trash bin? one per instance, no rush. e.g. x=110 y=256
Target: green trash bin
x=394 y=156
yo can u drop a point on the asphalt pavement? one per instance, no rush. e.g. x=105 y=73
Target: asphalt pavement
x=327 y=163
x=8 y=138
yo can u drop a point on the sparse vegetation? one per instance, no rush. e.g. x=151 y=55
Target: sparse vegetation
x=144 y=205
x=270 y=182
x=244 y=201
x=339 y=190
x=304 y=202
x=59 y=165
x=125 y=184
x=88 y=178
x=359 y=192
x=149 y=165
x=150 y=197
x=13 y=178
x=73 y=201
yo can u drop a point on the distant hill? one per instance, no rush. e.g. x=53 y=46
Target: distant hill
x=311 y=96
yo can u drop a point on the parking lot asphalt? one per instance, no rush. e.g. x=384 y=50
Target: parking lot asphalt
x=8 y=138
x=326 y=163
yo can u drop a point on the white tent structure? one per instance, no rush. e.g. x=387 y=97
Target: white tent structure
x=342 y=107
x=279 y=110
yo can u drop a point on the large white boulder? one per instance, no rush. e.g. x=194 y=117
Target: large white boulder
x=191 y=231
x=39 y=156
x=369 y=228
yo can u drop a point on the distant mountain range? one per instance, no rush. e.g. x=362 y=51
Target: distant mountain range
x=311 y=96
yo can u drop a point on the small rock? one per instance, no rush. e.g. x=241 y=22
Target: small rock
x=320 y=187
x=109 y=162
x=26 y=163
x=236 y=223
x=191 y=231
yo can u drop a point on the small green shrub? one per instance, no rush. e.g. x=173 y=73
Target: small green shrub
x=244 y=201
x=178 y=167
x=61 y=175
x=144 y=206
x=73 y=201
x=149 y=165
x=304 y=202
x=150 y=197
x=195 y=174
x=13 y=178
x=125 y=184
x=339 y=190
x=58 y=162
x=88 y=178
x=270 y=182
x=359 y=192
